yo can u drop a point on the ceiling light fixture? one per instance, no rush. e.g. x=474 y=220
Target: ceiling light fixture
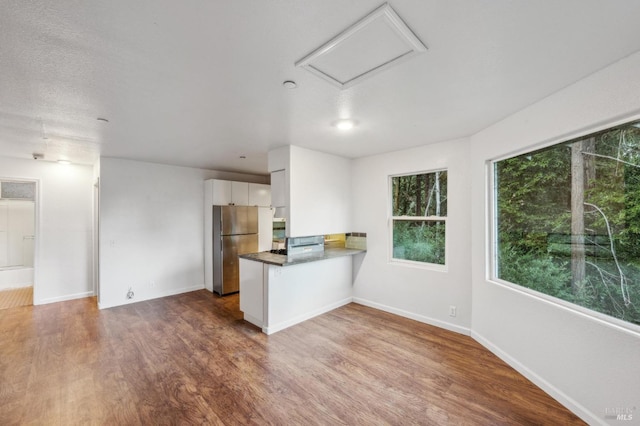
x=290 y=84
x=345 y=124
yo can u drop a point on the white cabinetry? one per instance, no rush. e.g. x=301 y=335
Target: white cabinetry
x=252 y=291
x=226 y=192
x=275 y=297
x=240 y=193
x=220 y=191
x=259 y=195
x=279 y=189
x=265 y=228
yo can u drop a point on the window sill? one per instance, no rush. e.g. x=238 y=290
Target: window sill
x=418 y=265
x=568 y=306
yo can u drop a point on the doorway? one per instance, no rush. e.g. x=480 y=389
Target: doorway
x=17 y=242
x=96 y=239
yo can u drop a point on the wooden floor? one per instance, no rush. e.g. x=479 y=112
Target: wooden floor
x=191 y=359
x=14 y=297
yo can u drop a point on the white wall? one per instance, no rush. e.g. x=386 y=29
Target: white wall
x=421 y=293
x=320 y=193
x=587 y=364
x=63 y=249
x=152 y=228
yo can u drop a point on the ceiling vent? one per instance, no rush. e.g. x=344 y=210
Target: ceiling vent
x=373 y=44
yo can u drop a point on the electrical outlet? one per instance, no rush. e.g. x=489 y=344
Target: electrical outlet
x=130 y=293
x=452 y=311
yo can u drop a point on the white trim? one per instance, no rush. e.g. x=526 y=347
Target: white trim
x=421 y=318
x=391 y=18
x=570 y=136
x=171 y=292
x=37 y=217
x=308 y=315
x=414 y=263
x=607 y=320
x=64 y=298
x=555 y=393
x=253 y=320
x=419 y=265
x=421 y=218
x=491 y=230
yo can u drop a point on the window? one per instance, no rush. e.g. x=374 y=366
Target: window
x=419 y=217
x=567 y=221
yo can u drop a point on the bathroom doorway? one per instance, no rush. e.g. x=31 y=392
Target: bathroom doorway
x=17 y=242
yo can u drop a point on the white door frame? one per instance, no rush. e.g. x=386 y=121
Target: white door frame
x=96 y=239
x=37 y=216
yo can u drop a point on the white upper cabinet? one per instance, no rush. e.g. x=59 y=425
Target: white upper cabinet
x=226 y=192
x=279 y=189
x=221 y=192
x=259 y=195
x=240 y=193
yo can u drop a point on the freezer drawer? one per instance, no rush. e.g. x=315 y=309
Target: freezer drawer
x=226 y=274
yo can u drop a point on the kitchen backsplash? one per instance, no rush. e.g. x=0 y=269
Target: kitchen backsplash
x=352 y=240
x=356 y=240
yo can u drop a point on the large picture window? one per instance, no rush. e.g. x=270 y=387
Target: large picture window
x=419 y=217
x=567 y=221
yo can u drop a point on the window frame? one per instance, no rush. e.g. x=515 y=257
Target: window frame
x=391 y=219
x=491 y=239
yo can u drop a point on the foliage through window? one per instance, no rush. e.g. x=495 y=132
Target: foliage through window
x=568 y=221
x=419 y=215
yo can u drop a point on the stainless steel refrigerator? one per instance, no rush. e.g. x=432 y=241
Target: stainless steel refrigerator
x=235 y=232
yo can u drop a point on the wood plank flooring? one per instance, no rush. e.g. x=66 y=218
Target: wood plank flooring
x=191 y=359
x=14 y=297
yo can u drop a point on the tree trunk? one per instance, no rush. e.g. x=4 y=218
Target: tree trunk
x=418 y=195
x=589 y=146
x=437 y=185
x=429 y=194
x=577 y=215
x=396 y=196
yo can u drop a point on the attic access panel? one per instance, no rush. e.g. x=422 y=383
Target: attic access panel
x=373 y=44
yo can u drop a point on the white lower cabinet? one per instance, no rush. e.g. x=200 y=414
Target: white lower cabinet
x=252 y=291
x=276 y=297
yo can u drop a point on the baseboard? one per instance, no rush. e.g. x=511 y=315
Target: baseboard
x=253 y=320
x=297 y=320
x=427 y=320
x=170 y=292
x=554 y=392
x=63 y=298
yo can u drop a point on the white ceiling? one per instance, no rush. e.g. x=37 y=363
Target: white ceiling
x=199 y=82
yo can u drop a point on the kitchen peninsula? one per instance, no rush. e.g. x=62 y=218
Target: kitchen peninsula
x=278 y=291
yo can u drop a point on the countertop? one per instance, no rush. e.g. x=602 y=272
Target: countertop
x=283 y=260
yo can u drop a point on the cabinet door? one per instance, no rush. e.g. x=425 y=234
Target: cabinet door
x=222 y=192
x=278 y=189
x=240 y=193
x=265 y=228
x=252 y=291
x=259 y=195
